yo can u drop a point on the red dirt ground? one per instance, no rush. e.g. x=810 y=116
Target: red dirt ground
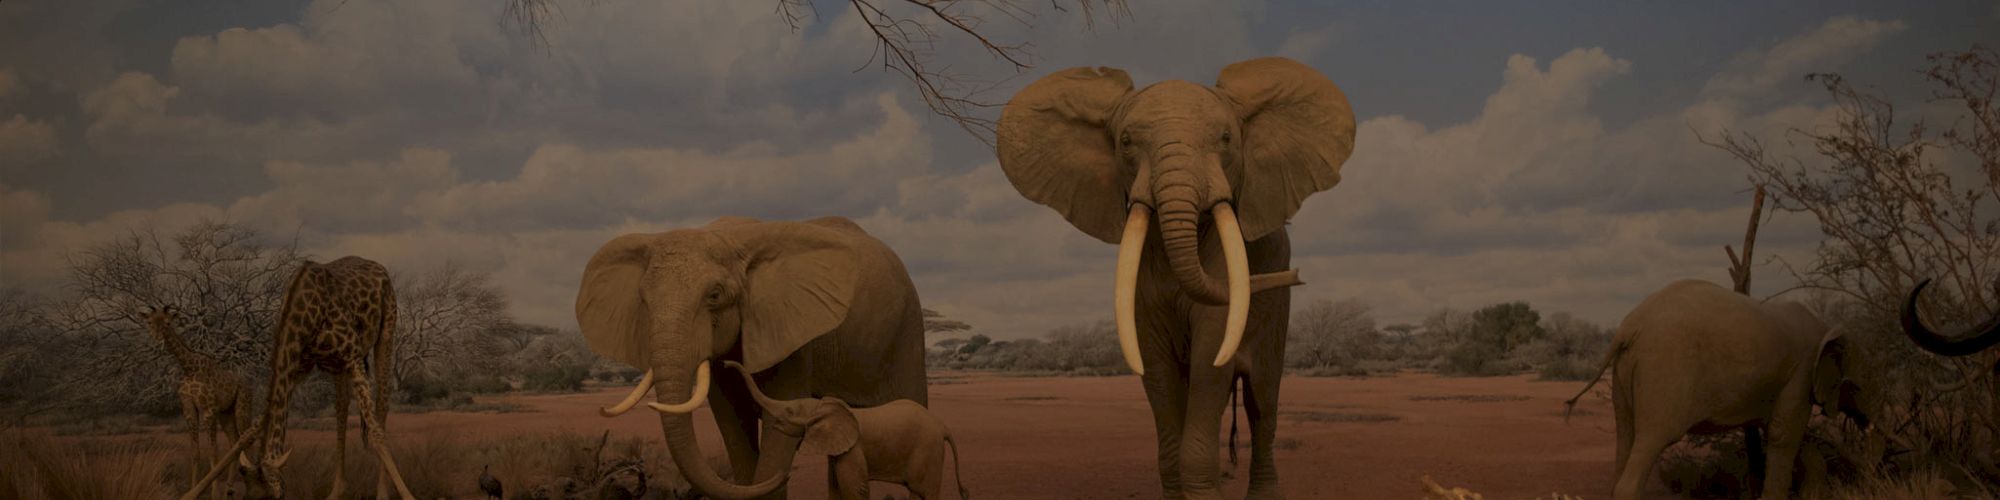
x=1060 y=438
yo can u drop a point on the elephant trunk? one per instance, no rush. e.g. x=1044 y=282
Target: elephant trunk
x=1180 y=222
x=687 y=454
x=1978 y=339
x=1180 y=231
x=681 y=340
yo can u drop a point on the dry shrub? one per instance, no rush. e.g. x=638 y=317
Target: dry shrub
x=34 y=468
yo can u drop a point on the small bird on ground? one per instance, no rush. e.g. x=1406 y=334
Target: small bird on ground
x=487 y=483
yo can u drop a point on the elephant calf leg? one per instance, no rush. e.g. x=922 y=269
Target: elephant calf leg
x=847 y=476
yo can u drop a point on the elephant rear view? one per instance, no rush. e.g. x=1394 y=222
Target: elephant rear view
x=1697 y=358
x=814 y=308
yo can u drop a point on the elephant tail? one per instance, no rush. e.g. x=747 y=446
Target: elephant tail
x=1618 y=347
x=959 y=477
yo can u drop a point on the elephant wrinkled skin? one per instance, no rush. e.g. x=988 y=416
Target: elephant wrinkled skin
x=1222 y=168
x=814 y=308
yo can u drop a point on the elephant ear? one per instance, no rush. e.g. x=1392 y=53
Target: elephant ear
x=1055 y=147
x=834 y=429
x=1827 y=377
x=1297 y=131
x=609 y=310
x=800 y=282
x=731 y=220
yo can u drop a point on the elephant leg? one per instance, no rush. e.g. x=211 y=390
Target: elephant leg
x=1781 y=446
x=1621 y=406
x=1645 y=450
x=1753 y=446
x=1163 y=342
x=1260 y=403
x=342 y=394
x=737 y=420
x=1207 y=397
x=847 y=476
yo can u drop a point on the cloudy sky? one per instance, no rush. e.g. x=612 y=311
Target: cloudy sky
x=1538 y=151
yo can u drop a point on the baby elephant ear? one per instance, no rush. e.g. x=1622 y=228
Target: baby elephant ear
x=1054 y=143
x=834 y=429
x=1297 y=131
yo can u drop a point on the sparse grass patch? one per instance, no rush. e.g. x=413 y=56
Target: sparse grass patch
x=1031 y=399
x=1287 y=444
x=1349 y=417
x=1470 y=398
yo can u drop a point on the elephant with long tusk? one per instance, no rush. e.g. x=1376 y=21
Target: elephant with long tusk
x=1194 y=184
x=812 y=309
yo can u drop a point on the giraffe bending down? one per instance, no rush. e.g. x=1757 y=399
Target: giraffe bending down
x=213 y=399
x=339 y=317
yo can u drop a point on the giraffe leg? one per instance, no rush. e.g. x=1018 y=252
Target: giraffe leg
x=195 y=458
x=364 y=394
x=382 y=365
x=341 y=393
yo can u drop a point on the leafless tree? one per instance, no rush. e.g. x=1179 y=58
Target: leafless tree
x=226 y=278
x=1331 y=334
x=906 y=36
x=1897 y=204
x=445 y=317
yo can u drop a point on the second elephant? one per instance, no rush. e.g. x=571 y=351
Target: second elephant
x=814 y=308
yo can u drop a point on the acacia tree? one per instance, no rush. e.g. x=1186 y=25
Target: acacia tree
x=1897 y=204
x=906 y=36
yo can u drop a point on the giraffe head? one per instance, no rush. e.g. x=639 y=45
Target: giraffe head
x=161 y=319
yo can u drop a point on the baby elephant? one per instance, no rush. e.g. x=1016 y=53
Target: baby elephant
x=898 y=442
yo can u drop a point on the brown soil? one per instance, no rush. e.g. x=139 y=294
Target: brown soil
x=1503 y=437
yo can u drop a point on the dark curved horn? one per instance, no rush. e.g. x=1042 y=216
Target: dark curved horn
x=1977 y=339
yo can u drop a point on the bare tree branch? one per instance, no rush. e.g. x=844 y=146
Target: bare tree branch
x=904 y=44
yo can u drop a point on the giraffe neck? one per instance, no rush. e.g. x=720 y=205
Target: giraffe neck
x=189 y=360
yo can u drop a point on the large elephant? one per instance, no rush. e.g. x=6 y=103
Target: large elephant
x=1224 y=167
x=815 y=309
x=1697 y=358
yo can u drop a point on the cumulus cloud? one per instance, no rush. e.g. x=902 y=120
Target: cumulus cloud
x=24 y=141
x=1761 y=71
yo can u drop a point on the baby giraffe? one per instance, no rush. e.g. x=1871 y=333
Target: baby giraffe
x=212 y=397
x=897 y=442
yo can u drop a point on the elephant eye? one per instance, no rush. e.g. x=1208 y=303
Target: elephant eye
x=1225 y=137
x=714 y=297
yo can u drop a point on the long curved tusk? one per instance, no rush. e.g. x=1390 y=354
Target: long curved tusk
x=1125 y=302
x=694 y=401
x=631 y=400
x=1238 y=266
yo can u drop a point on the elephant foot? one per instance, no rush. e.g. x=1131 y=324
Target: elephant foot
x=1261 y=492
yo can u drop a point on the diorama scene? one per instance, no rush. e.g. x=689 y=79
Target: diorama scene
x=1014 y=249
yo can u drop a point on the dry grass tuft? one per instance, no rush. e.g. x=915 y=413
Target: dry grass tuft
x=34 y=468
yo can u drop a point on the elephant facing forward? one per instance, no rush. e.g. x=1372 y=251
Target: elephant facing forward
x=814 y=308
x=1222 y=168
x=1697 y=358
